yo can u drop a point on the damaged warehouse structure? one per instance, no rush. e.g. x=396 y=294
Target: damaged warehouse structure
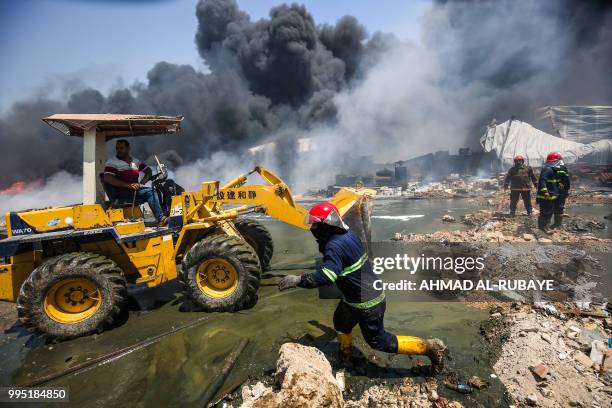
x=584 y=141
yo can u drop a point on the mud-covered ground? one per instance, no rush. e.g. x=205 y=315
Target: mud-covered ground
x=8 y=315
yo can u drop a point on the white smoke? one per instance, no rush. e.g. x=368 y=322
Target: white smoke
x=60 y=189
x=221 y=166
x=474 y=63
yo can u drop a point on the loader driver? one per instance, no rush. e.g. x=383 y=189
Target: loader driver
x=122 y=173
x=346 y=264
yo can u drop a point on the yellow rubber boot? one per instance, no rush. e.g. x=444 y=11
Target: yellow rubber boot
x=435 y=349
x=411 y=345
x=346 y=346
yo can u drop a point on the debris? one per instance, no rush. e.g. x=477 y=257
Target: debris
x=598 y=350
x=550 y=309
x=546 y=338
x=477 y=382
x=249 y=394
x=531 y=400
x=587 y=337
x=448 y=218
x=341 y=380
x=462 y=388
x=546 y=392
x=406 y=394
x=540 y=372
x=305 y=377
x=557 y=372
x=488 y=225
x=583 y=359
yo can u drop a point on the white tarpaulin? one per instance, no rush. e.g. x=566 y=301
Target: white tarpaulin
x=514 y=137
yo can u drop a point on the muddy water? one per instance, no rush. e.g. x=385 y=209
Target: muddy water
x=177 y=369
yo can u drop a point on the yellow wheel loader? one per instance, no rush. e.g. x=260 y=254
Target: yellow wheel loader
x=67 y=267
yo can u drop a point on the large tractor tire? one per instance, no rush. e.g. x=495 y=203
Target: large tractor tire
x=221 y=273
x=72 y=295
x=257 y=236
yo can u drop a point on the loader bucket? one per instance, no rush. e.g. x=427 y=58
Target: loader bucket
x=355 y=206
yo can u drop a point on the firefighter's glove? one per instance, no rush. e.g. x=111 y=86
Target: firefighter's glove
x=288 y=282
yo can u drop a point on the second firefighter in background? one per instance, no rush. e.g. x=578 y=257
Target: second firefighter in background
x=519 y=178
x=553 y=189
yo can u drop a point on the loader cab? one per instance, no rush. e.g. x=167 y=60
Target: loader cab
x=96 y=130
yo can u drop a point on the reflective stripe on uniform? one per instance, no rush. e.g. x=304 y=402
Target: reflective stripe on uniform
x=366 y=305
x=355 y=266
x=331 y=275
x=552 y=180
x=546 y=198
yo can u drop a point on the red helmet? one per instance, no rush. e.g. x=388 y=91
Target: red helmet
x=518 y=157
x=326 y=213
x=554 y=156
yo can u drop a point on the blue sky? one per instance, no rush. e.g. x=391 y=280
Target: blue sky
x=51 y=46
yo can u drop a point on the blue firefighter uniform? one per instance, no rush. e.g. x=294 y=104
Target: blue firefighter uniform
x=346 y=264
x=553 y=189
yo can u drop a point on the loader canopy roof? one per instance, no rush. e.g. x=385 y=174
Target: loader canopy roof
x=114 y=125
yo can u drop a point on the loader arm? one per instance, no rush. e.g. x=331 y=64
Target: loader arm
x=275 y=198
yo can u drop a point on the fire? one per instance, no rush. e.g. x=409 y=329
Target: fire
x=19 y=187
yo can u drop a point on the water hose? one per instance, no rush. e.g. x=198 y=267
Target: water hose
x=230 y=361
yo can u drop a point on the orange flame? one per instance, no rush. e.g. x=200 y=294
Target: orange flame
x=15 y=188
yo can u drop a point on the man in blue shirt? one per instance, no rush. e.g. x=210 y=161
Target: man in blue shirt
x=346 y=264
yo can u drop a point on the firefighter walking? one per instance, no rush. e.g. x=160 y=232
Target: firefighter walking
x=519 y=178
x=553 y=189
x=346 y=264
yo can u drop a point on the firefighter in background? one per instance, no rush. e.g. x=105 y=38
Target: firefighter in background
x=553 y=189
x=520 y=177
x=346 y=264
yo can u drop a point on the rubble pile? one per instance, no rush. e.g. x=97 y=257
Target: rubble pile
x=551 y=358
x=304 y=378
x=453 y=187
x=493 y=226
x=586 y=195
x=407 y=394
